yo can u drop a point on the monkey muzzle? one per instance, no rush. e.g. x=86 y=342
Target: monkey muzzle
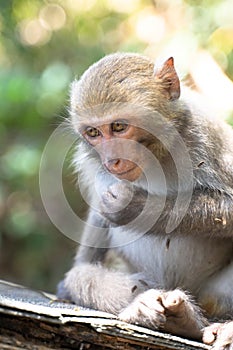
x=123 y=169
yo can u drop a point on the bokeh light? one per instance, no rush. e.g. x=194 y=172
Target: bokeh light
x=33 y=33
x=52 y=17
x=150 y=28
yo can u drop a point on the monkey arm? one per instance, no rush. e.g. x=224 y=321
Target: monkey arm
x=89 y=283
x=93 y=248
x=95 y=241
x=210 y=212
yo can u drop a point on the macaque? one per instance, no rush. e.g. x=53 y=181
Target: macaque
x=159 y=176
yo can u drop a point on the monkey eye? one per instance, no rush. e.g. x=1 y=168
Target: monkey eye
x=119 y=126
x=91 y=132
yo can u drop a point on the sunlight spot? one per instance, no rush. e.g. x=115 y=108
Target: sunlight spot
x=150 y=28
x=52 y=17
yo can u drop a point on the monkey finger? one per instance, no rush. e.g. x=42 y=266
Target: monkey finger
x=174 y=300
x=145 y=310
x=110 y=203
x=143 y=316
x=116 y=198
x=121 y=191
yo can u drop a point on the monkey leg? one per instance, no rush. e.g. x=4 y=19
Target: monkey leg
x=93 y=286
x=220 y=335
x=171 y=311
x=216 y=296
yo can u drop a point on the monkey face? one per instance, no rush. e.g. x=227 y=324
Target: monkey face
x=126 y=168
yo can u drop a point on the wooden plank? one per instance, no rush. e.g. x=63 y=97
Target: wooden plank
x=36 y=320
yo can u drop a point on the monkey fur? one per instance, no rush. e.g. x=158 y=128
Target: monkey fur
x=181 y=281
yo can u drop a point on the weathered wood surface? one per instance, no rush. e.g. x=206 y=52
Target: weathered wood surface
x=36 y=320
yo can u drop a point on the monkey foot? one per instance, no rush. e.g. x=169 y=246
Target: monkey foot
x=171 y=311
x=220 y=335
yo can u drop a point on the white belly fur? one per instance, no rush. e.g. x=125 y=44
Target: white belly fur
x=176 y=261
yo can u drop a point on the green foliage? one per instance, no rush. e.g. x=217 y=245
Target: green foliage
x=43 y=46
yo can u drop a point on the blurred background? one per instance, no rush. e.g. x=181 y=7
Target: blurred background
x=44 y=45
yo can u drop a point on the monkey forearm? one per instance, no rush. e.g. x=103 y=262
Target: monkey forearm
x=208 y=212
x=95 y=240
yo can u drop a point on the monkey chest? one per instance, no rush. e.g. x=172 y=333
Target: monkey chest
x=177 y=261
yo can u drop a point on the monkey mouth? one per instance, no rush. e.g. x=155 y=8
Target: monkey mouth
x=124 y=169
x=131 y=174
x=123 y=172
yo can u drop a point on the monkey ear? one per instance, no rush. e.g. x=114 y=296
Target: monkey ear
x=169 y=78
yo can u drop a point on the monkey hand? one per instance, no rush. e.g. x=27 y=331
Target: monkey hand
x=220 y=335
x=146 y=310
x=122 y=203
x=171 y=311
x=117 y=196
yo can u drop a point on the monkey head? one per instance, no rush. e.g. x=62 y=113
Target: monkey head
x=99 y=114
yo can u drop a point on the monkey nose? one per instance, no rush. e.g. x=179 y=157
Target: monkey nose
x=113 y=164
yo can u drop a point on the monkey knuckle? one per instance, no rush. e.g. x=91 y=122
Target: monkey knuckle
x=142 y=314
x=108 y=198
